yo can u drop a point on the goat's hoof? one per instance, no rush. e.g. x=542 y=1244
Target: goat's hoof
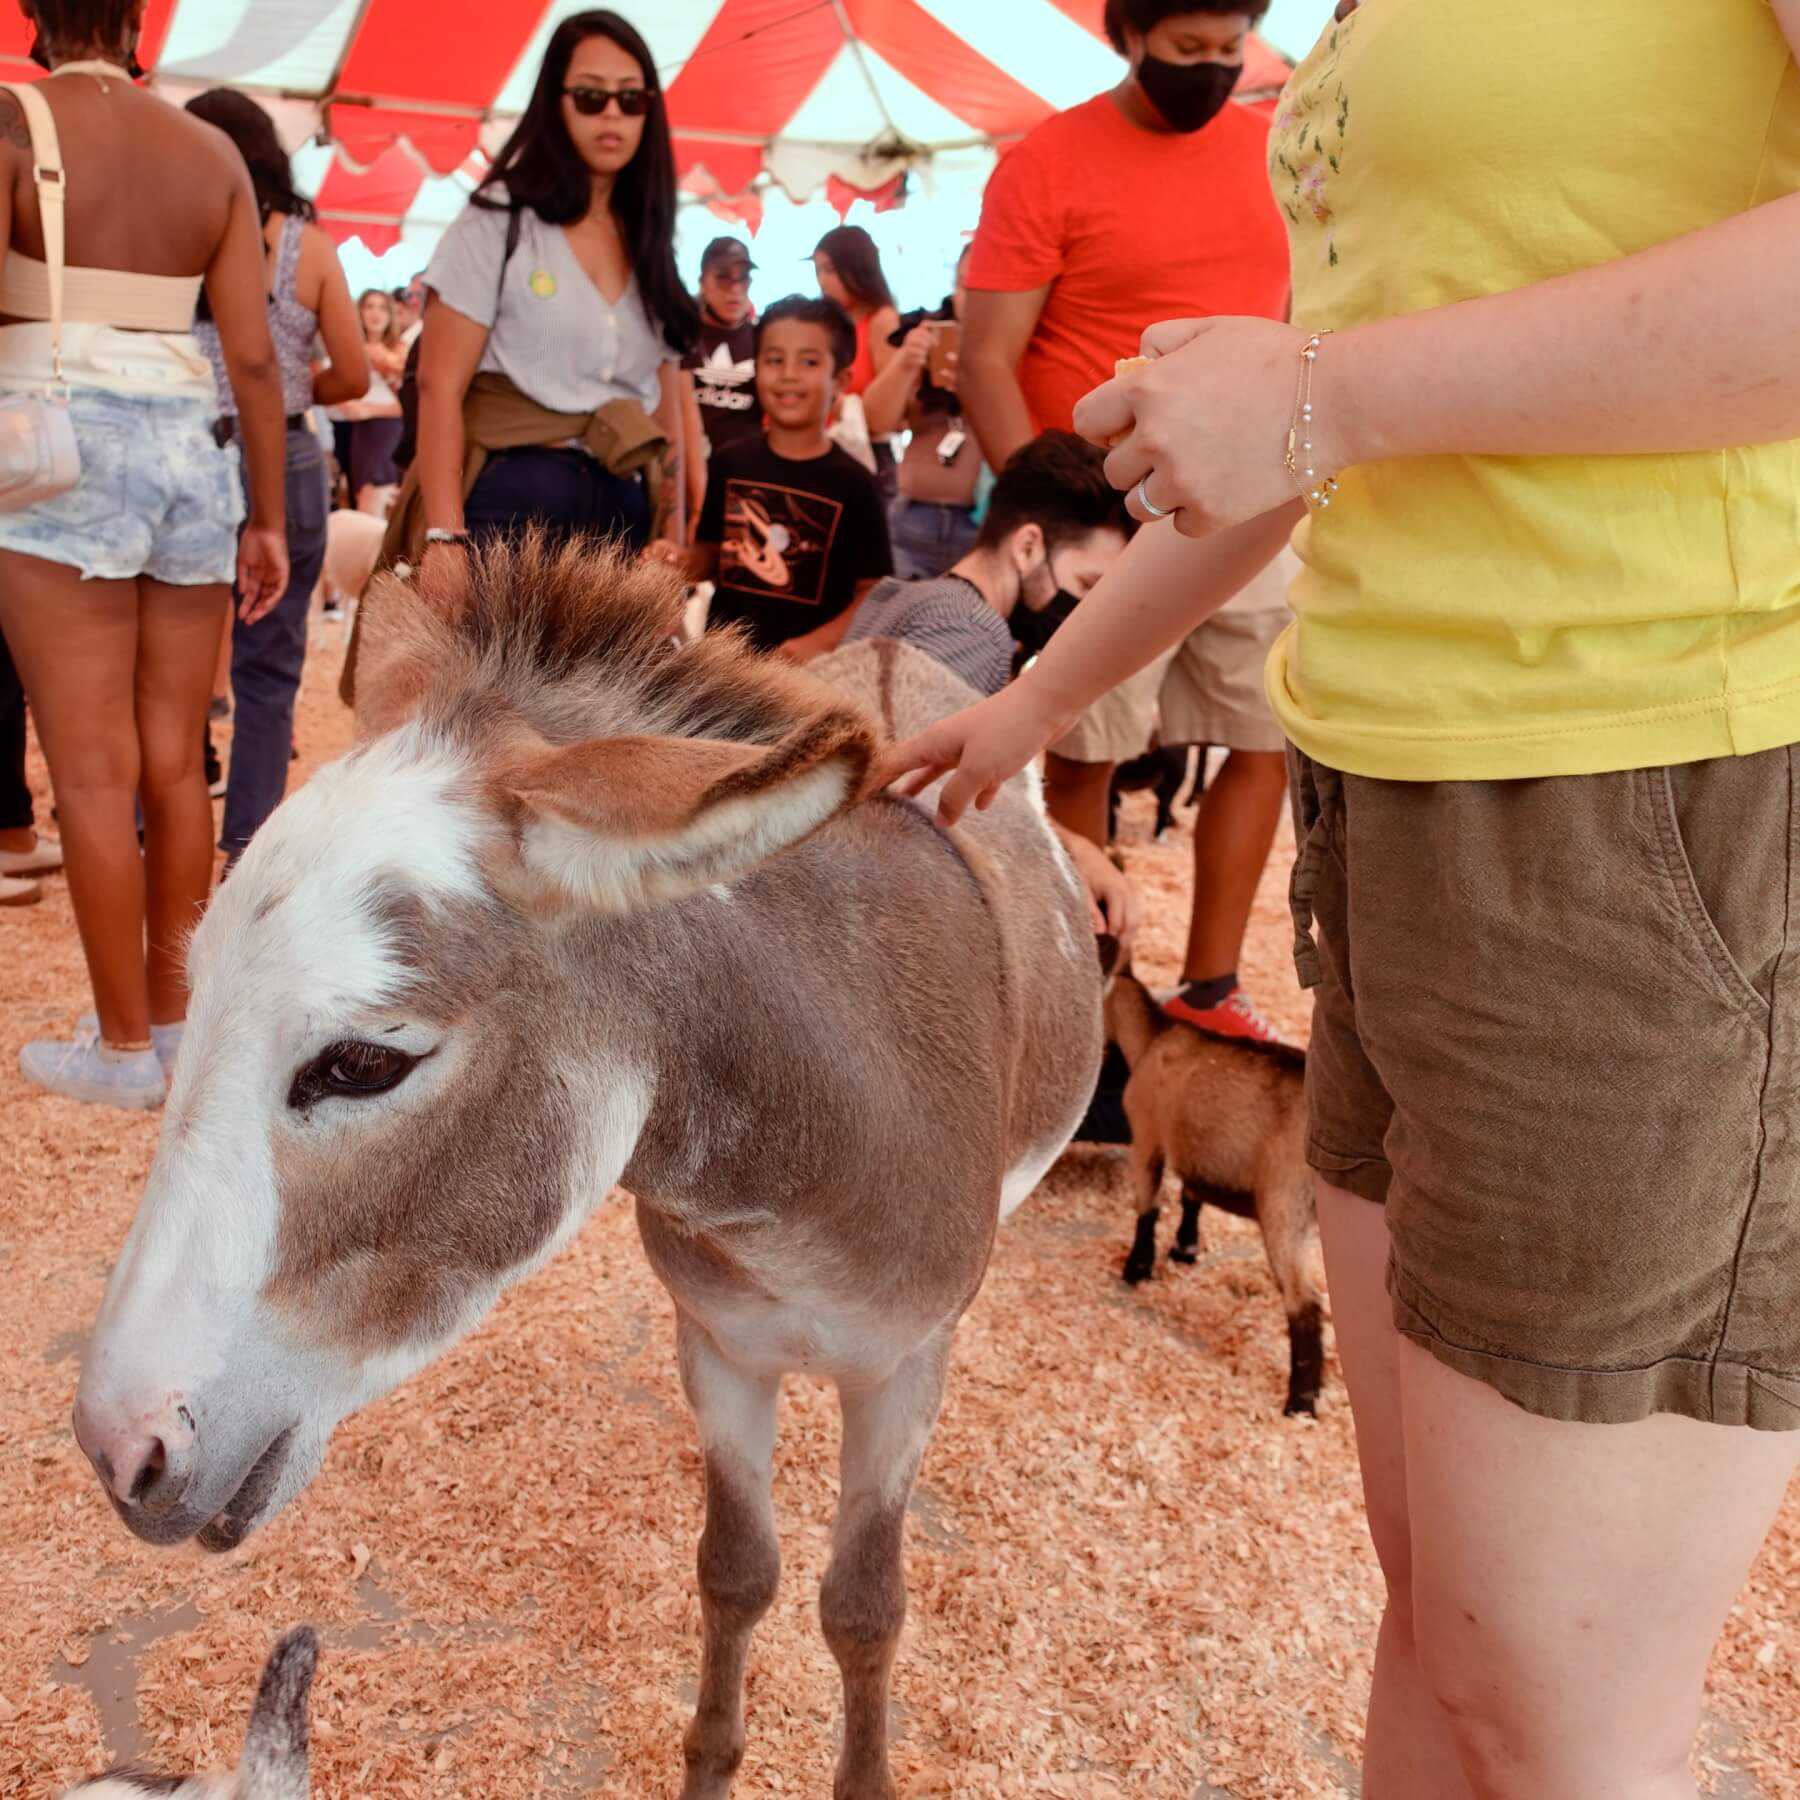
x=1188 y=1254
x=1301 y=1406
x=1137 y=1272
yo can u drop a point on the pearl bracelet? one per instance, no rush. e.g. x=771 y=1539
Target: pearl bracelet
x=1298 y=460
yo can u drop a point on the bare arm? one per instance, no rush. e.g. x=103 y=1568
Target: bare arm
x=236 y=291
x=1157 y=592
x=884 y=321
x=449 y=354
x=324 y=288
x=829 y=635
x=888 y=397
x=693 y=449
x=996 y=330
x=1692 y=345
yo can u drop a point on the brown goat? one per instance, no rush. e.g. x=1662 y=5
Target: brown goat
x=1228 y=1120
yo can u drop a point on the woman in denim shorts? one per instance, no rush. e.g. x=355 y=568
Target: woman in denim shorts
x=1538 y=422
x=112 y=594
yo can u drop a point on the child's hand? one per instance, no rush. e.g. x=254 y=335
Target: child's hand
x=1112 y=900
x=667 y=551
x=981 y=748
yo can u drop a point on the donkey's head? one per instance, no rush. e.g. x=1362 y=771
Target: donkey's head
x=406 y=1078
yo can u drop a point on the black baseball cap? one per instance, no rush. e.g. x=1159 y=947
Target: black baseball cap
x=726 y=250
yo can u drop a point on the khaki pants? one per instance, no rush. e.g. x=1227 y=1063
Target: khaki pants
x=1208 y=689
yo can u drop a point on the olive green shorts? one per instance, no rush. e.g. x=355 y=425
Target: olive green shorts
x=1556 y=1032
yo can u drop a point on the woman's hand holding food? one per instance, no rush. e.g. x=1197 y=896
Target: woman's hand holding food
x=1203 y=422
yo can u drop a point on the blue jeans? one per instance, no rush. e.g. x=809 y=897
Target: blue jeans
x=929 y=537
x=267 y=658
x=567 y=492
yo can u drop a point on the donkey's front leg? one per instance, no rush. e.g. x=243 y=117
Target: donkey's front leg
x=740 y=1559
x=863 y=1602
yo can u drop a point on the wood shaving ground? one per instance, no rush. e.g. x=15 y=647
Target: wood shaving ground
x=1129 y=1574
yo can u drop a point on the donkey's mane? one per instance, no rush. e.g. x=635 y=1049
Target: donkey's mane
x=580 y=642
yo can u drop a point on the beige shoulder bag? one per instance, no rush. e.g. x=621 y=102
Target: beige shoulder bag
x=39 y=457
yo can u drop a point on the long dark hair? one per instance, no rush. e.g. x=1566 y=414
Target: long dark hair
x=253 y=131
x=540 y=168
x=858 y=263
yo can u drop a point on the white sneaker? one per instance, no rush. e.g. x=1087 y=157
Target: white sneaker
x=96 y=1073
x=46 y=859
x=14 y=892
x=165 y=1040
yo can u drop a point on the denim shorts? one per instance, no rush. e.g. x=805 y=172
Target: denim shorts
x=157 y=496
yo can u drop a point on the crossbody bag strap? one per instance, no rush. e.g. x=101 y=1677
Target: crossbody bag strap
x=47 y=173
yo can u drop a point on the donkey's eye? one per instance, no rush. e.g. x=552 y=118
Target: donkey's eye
x=352 y=1071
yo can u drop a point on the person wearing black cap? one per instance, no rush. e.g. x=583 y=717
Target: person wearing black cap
x=724 y=360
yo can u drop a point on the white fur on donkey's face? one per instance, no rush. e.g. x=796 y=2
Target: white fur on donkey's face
x=292 y=959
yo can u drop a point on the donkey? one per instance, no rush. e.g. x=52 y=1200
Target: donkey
x=585 y=906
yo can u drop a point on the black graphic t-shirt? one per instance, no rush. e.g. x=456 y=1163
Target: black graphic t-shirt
x=794 y=537
x=723 y=365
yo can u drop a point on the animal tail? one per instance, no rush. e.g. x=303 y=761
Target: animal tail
x=275 y=1748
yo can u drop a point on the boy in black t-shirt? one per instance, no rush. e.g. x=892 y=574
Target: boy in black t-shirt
x=793 y=531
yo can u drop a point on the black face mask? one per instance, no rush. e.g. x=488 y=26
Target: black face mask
x=1033 y=627
x=1188 y=95
x=41 y=57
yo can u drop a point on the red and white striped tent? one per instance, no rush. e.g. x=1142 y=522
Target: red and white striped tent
x=392 y=104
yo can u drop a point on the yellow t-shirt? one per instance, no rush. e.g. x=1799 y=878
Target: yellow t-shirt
x=1476 y=618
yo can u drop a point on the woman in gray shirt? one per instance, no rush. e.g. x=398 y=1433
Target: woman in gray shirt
x=560 y=277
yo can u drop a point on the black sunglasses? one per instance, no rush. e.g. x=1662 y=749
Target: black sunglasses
x=591 y=102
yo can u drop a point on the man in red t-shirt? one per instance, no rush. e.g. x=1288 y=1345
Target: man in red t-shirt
x=1146 y=203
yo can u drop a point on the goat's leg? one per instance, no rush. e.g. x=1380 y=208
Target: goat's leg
x=740 y=1559
x=1284 y=1210
x=1186 y=1247
x=862 y=1604
x=1146 y=1180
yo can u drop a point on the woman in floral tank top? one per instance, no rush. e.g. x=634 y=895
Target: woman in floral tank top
x=1542 y=469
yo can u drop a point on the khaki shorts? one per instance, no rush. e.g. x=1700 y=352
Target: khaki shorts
x=1207 y=690
x=1556 y=1030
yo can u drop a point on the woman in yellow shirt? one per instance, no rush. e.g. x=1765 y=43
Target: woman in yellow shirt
x=1544 y=695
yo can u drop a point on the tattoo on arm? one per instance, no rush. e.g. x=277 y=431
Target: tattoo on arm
x=13 y=123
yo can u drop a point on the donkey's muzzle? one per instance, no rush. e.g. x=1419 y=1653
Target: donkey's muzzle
x=145 y=1472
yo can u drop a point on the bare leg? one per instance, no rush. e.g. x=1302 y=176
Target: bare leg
x=862 y=1604
x=1234 y=831
x=1408 y=1752
x=75 y=643
x=1569 y=1582
x=1075 y=795
x=740 y=1559
x=178 y=633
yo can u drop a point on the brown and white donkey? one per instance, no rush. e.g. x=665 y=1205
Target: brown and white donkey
x=585 y=907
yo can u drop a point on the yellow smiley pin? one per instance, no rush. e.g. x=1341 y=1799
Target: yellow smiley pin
x=543 y=283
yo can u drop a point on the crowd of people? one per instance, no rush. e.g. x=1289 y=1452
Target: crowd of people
x=1538 y=390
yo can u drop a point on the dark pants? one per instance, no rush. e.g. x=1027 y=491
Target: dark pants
x=267 y=657
x=567 y=492
x=15 y=796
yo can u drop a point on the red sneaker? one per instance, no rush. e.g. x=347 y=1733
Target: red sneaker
x=1233 y=1017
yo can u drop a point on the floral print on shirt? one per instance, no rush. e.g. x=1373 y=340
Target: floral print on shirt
x=1306 y=145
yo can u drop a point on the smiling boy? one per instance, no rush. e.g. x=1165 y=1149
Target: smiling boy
x=793 y=531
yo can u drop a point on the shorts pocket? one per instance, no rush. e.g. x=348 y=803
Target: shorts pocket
x=1734 y=915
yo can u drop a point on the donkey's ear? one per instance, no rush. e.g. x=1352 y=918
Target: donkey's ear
x=623 y=822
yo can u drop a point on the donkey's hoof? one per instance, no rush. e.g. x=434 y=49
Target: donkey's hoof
x=1187 y=1254
x=1137 y=1271
x=1301 y=1406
